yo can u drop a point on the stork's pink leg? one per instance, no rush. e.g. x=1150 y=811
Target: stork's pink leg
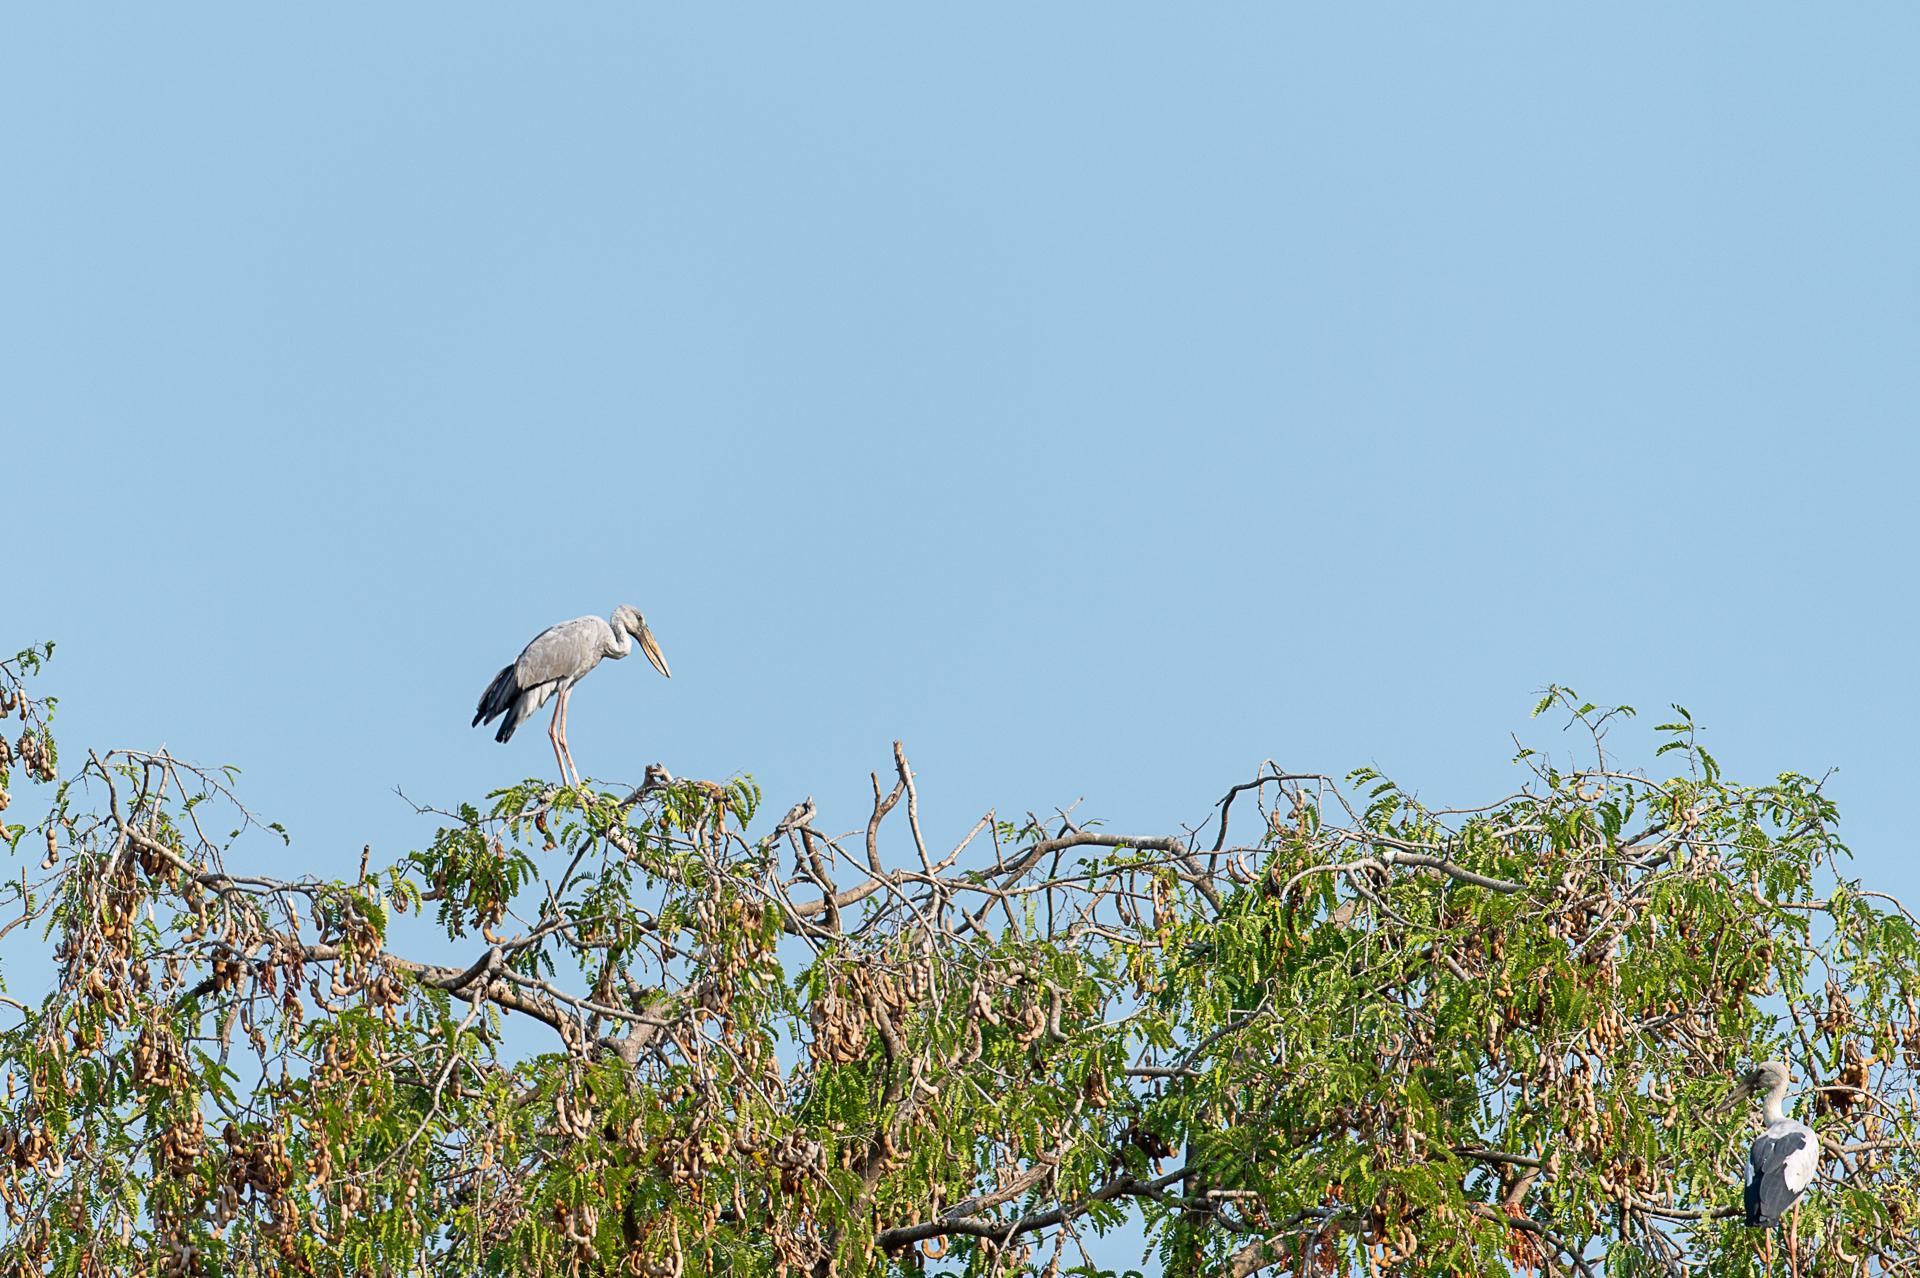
x=566 y=694
x=1793 y=1242
x=556 y=737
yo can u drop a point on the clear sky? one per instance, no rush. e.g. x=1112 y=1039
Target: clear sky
x=1100 y=398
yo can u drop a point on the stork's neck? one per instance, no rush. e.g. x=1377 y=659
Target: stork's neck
x=622 y=643
x=1775 y=1111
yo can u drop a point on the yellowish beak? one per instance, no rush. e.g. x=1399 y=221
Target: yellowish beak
x=652 y=649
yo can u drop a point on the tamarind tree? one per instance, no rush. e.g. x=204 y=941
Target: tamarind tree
x=1329 y=1030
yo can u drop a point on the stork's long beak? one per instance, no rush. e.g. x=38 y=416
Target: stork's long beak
x=652 y=649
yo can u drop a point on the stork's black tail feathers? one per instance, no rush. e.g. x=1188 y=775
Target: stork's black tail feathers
x=1757 y=1210
x=498 y=700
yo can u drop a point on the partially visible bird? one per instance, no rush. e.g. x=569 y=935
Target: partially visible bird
x=798 y=817
x=559 y=657
x=1784 y=1157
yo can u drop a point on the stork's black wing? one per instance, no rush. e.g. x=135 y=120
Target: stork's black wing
x=1770 y=1189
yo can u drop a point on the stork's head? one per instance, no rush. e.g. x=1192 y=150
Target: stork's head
x=626 y=617
x=1763 y=1079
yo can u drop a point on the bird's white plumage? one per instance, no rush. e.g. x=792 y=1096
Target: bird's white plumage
x=1800 y=1166
x=566 y=651
x=1784 y=1160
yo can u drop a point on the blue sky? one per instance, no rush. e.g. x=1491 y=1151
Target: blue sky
x=1101 y=399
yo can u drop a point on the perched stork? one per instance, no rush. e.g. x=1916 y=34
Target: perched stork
x=559 y=657
x=1785 y=1156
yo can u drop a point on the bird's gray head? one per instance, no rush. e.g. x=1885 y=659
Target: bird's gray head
x=627 y=618
x=1762 y=1080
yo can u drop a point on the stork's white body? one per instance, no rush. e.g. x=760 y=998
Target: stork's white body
x=1783 y=1163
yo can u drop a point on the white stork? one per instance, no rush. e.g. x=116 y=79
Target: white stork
x=1784 y=1158
x=559 y=657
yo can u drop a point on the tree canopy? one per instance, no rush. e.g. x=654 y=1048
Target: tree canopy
x=1330 y=1029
